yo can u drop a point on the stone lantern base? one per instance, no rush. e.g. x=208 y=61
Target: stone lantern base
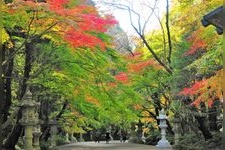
x=163 y=145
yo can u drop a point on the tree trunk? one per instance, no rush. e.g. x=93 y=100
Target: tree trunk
x=7 y=92
x=13 y=137
x=169 y=128
x=203 y=127
x=212 y=119
x=46 y=132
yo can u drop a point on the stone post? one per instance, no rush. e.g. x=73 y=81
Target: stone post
x=133 y=133
x=176 y=129
x=73 y=138
x=67 y=138
x=37 y=129
x=143 y=138
x=37 y=134
x=163 y=144
x=28 y=119
x=140 y=130
x=121 y=136
x=53 y=132
x=81 y=138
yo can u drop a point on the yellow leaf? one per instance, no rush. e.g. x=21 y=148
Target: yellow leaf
x=5 y=36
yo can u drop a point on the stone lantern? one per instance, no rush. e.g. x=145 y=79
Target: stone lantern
x=163 y=144
x=37 y=130
x=176 y=129
x=53 y=132
x=28 y=119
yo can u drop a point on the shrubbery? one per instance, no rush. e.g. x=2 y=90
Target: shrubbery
x=197 y=142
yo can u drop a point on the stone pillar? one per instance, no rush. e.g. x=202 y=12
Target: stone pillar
x=67 y=138
x=133 y=133
x=163 y=144
x=37 y=129
x=28 y=119
x=73 y=139
x=121 y=136
x=143 y=138
x=81 y=138
x=37 y=134
x=53 y=132
x=176 y=129
x=140 y=130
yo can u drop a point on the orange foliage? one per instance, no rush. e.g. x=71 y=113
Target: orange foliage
x=122 y=77
x=92 y=100
x=194 y=89
x=140 y=65
x=137 y=63
x=112 y=84
x=207 y=90
x=137 y=107
x=197 y=43
x=78 y=25
x=134 y=56
x=79 y=39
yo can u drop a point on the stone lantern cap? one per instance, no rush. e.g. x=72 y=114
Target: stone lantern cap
x=162 y=115
x=28 y=102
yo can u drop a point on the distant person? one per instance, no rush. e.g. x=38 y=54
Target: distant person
x=97 y=136
x=107 y=137
x=124 y=137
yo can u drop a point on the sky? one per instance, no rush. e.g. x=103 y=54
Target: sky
x=140 y=6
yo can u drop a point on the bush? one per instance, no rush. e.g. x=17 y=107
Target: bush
x=60 y=140
x=190 y=142
x=216 y=142
x=197 y=142
x=135 y=140
x=153 y=137
x=44 y=145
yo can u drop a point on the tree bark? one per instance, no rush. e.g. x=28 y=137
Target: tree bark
x=203 y=127
x=13 y=137
x=7 y=92
x=46 y=132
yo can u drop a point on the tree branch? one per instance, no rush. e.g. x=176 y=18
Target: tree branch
x=168 y=31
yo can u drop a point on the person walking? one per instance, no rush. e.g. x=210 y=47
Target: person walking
x=97 y=136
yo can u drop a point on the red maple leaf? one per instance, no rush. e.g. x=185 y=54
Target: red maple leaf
x=194 y=89
x=140 y=65
x=122 y=77
x=81 y=39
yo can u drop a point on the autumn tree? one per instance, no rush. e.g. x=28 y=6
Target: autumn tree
x=53 y=43
x=182 y=48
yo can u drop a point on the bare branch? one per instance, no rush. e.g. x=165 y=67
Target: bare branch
x=149 y=16
x=168 y=31
x=163 y=35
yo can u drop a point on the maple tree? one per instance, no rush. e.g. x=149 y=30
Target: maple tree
x=60 y=42
x=193 y=53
